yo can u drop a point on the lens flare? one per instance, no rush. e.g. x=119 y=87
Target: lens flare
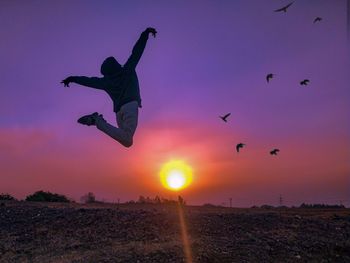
x=176 y=175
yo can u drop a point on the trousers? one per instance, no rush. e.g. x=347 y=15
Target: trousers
x=127 y=118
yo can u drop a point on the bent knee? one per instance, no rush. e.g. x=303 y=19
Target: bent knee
x=128 y=143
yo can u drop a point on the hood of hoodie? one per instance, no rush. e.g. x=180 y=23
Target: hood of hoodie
x=110 y=66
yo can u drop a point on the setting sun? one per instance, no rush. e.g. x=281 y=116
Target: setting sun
x=176 y=175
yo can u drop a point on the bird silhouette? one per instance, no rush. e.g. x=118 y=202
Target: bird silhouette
x=317 y=19
x=238 y=146
x=224 y=118
x=304 y=82
x=274 y=151
x=269 y=76
x=284 y=9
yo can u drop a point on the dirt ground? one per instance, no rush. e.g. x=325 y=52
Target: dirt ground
x=43 y=232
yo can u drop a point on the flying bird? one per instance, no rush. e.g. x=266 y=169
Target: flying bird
x=304 y=82
x=238 y=146
x=224 y=118
x=317 y=19
x=269 y=76
x=284 y=9
x=274 y=151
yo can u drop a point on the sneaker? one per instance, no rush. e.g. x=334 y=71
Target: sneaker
x=88 y=119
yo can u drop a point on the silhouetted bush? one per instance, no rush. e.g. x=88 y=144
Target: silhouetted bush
x=41 y=196
x=168 y=201
x=266 y=206
x=88 y=198
x=320 y=206
x=6 y=197
x=181 y=201
x=142 y=200
x=209 y=205
x=159 y=200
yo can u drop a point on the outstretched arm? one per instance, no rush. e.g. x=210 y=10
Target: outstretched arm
x=92 y=82
x=139 y=48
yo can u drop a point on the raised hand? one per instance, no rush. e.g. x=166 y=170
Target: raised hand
x=152 y=30
x=66 y=81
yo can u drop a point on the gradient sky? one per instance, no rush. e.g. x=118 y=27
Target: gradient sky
x=209 y=58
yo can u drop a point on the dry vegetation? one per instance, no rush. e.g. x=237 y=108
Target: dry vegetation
x=48 y=232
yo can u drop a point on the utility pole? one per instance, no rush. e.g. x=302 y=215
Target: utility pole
x=281 y=200
x=348 y=19
x=230 y=202
x=280 y=204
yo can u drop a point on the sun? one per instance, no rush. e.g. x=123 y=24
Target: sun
x=176 y=175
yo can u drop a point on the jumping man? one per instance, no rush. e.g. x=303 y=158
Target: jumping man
x=121 y=84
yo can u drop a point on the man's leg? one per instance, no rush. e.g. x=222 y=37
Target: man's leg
x=127 y=119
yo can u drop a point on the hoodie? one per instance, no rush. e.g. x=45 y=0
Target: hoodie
x=120 y=82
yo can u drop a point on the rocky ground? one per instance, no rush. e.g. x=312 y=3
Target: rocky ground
x=34 y=232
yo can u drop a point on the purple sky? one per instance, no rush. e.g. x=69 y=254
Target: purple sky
x=209 y=58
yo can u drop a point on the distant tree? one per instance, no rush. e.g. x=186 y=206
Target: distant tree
x=6 y=197
x=157 y=200
x=41 y=196
x=88 y=198
x=142 y=199
x=181 y=200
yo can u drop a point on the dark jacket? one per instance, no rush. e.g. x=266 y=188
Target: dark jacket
x=120 y=82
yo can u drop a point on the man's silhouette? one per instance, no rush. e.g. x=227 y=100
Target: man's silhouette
x=121 y=84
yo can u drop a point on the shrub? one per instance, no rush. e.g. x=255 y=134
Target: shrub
x=158 y=200
x=321 y=206
x=266 y=207
x=209 y=205
x=88 y=198
x=181 y=201
x=41 y=196
x=6 y=197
